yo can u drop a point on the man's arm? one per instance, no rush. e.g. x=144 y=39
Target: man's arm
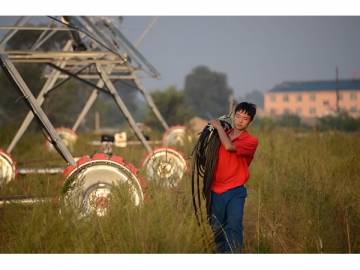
x=225 y=140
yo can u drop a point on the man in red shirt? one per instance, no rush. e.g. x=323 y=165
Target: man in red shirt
x=231 y=172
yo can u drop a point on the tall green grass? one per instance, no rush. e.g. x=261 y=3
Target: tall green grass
x=304 y=193
x=303 y=197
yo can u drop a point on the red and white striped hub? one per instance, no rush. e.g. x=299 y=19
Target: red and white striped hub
x=8 y=167
x=176 y=136
x=165 y=165
x=68 y=136
x=89 y=183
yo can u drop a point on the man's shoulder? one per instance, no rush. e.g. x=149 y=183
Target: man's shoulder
x=247 y=135
x=250 y=138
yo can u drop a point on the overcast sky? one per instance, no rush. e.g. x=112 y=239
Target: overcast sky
x=255 y=52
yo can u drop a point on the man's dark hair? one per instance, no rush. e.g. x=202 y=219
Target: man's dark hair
x=247 y=107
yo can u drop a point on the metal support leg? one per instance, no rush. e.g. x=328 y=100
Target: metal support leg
x=150 y=102
x=123 y=107
x=40 y=99
x=19 y=83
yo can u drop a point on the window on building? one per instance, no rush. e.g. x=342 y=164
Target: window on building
x=286 y=111
x=298 y=98
x=352 y=96
x=326 y=102
x=341 y=97
x=312 y=97
x=298 y=111
x=273 y=111
x=353 y=109
x=312 y=111
x=272 y=98
x=285 y=98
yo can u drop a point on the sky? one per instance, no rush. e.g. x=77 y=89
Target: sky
x=254 y=50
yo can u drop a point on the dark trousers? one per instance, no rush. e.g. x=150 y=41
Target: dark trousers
x=227 y=210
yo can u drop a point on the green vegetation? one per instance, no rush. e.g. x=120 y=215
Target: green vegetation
x=303 y=197
x=207 y=92
x=303 y=194
x=171 y=105
x=343 y=122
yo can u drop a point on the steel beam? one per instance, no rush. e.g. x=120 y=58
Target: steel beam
x=123 y=108
x=40 y=99
x=23 y=89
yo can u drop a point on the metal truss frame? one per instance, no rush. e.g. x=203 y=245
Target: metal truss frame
x=108 y=56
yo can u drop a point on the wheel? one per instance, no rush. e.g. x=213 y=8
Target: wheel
x=8 y=168
x=68 y=136
x=176 y=136
x=165 y=165
x=88 y=185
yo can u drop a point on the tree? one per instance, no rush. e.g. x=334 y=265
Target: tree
x=64 y=104
x=207 y=92
x=110 y=113
x=255 y=97
x=289 y=120
x=171 y=105
x=341 y=122
x=265 y=122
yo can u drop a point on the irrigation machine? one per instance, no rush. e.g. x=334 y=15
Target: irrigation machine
x=95 y=51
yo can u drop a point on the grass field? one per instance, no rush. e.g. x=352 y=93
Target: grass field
x=303 y=197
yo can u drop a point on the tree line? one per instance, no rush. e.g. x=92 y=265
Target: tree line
x=206 y=94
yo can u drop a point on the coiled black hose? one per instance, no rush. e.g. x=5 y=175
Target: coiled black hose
x=204 y=158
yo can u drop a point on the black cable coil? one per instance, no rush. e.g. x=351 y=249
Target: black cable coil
x=204 y=158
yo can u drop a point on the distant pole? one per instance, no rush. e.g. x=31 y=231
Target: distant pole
x=97 y=122
x=146 y=31
x=337 y=90
x=231 y=106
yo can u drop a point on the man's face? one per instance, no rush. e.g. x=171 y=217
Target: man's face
x=241 y=120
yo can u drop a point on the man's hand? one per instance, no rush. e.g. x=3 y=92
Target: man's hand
x=225 y=140
x=215 y=123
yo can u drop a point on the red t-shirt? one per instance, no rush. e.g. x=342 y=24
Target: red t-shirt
x=232 y=168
